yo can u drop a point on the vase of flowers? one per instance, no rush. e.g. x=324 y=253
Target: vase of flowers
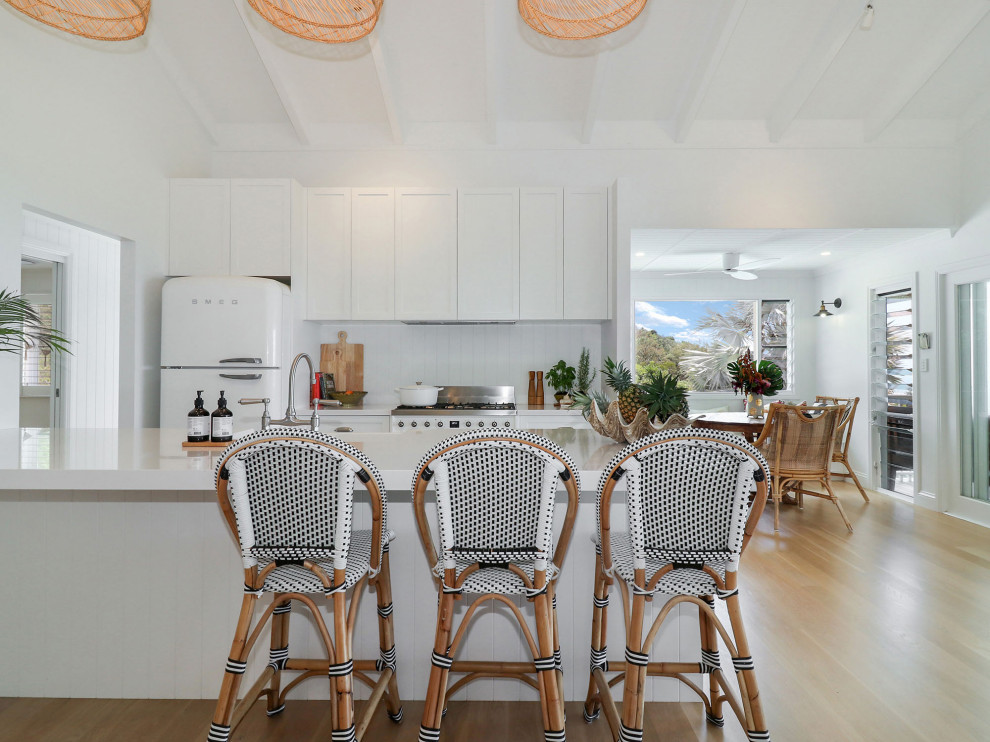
x=756 y=380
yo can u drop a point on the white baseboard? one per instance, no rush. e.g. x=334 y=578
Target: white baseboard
x=927 y=500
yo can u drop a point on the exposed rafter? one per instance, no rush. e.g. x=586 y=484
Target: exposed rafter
x=298 y=126
x=388 y=97
x=186 y=87
x=491 y=74
x=595 y=95
x=843 y=21
x=923 y=62
x=709 y=58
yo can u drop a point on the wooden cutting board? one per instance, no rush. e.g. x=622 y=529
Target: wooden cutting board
x=345 y=361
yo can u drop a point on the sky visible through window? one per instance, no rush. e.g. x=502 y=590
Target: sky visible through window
x=679 y=319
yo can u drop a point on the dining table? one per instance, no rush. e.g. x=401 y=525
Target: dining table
x=731 y=422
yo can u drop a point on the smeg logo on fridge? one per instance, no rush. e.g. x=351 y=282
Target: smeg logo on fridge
x=214 y=301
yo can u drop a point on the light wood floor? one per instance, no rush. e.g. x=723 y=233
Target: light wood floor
x=883 y=634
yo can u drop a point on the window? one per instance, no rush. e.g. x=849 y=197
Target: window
x=36 y=364
x=696 y=340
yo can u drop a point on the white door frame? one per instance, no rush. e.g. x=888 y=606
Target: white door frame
x=58 y=258
x=910 y=282
x=950 y=498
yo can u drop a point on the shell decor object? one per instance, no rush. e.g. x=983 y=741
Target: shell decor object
x=104 y=20
x=613 y=426
x=326 y=21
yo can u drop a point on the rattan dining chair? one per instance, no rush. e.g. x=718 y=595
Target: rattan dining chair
x=690 y=516
x=843 y=435
x=797 y=441
x=495 y=498
x=287 y=497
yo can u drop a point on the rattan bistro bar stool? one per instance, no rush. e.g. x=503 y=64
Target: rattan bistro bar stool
x=495 y=497
x=691 y=514
x=288 y=499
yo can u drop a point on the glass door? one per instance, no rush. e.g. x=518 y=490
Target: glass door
x=973 y=344
x=892 y=391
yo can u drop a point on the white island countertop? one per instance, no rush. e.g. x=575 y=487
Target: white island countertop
x=153 y=459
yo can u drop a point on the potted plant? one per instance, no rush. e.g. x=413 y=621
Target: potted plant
x=757 y=380
x=561 y=378
x=585 y=374
x=21 y=325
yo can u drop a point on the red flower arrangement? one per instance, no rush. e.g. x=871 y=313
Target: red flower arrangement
x=764 y=377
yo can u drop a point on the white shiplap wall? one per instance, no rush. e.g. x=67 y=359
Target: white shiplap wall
x=91 y=312
x=397 y=354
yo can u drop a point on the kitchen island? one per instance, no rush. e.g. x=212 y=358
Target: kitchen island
x=123 y=582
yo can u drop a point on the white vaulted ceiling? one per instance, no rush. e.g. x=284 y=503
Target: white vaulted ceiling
x=697 y=72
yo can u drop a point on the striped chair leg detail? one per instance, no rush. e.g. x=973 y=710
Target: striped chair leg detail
x=218 y=733
x=551 y=736
x=758 y=736
x=276 y=711
x=344 y=735
x=591 y=717
x=718 y=721
x=428 y=734
x=629 y=735
x=396 y=717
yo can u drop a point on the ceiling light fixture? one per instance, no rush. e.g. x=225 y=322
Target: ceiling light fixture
x=641 y=255
x=104 y=20
x=823 y=312
x=826 y=253
x=866 y=22
x=579 y=19
x=326 y=21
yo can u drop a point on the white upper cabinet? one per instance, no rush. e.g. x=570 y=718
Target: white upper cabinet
x=260 y=227
x=586 y=254
x=373 y=253
x=541 y=253
x=199 y=227
x=426 y=254
x=488 y=253
x=328 y=251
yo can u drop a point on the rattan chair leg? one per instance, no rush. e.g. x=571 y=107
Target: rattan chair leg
x=633 y=697
x=756 y=725
x=279 y=654
x=551 y=698
x=599 y=622
x=386 y=638
x=233 y=673
x=833 y=498
x=342 y=683
x=709 y=653
x=557 y=658
x=429 y=729
x=855 y=479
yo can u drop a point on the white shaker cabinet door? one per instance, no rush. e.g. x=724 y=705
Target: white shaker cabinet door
x=199 y=227
x=426 y=254
x=373 y=253
x=260 y=227
x=586 y=256
x=328 y=253
x=488 y=253
x=541 y=253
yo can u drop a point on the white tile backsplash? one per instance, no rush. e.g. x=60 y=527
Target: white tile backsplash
x=397 y=354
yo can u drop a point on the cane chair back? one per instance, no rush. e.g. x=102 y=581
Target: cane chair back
x=290 y=496
x=495 y=498
x=798 y=440
x=843 y=430
x=687 y=494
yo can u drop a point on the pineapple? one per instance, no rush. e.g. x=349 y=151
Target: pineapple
x=662 y=396
x=619 y=377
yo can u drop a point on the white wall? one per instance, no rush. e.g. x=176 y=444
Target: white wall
x=796 y=286
x=91 y=132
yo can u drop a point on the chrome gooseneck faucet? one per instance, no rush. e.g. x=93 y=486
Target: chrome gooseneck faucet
x=290 y=418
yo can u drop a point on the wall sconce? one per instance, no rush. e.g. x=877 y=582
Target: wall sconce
x=823 y=312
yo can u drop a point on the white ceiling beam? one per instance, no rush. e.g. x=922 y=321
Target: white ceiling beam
x=183 y=83
x=833 y=36
x=921 y=64
x=709 y=59
x=594 y=96
x=978 y=110
x=491 y=74
x=291 y=113
x=388 y=96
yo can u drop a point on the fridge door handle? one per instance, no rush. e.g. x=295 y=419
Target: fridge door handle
x=240 y=360
x=241 y=377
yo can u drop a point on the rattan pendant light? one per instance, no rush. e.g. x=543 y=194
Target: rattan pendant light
x=579 y=19
x=328 y=21
x=106 y=20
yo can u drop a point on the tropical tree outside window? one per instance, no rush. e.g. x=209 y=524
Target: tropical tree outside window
x=696 y=340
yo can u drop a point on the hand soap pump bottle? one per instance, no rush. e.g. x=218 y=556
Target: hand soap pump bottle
x=198 y=421
x=222 y=429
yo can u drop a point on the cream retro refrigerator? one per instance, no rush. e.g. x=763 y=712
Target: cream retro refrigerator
x=229 y=333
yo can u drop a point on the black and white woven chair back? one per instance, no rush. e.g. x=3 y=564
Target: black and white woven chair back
x=495 y=496
x=293 y=495
x=688 y=495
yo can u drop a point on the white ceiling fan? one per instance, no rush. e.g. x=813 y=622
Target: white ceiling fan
x=731 y=267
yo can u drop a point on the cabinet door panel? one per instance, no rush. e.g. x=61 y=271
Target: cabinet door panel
x=586 y=271
x=328 y=249
x=541 y=253
x=199 y=227
x=488 y=253
x=260 y=227
x=373 y=253
x=426 y=254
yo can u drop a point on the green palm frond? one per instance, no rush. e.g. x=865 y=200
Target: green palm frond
x=21 y=325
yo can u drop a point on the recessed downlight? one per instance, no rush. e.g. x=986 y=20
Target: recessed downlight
x=641 y=255
x=826 y=253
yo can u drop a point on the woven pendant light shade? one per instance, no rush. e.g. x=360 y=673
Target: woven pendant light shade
x=106 y=20
x=579 y=19
x=328 y=21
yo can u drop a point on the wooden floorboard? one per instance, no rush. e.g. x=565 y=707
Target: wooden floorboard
x=883 y=634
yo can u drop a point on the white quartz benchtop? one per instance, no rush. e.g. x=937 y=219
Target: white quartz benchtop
x=153 y=459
